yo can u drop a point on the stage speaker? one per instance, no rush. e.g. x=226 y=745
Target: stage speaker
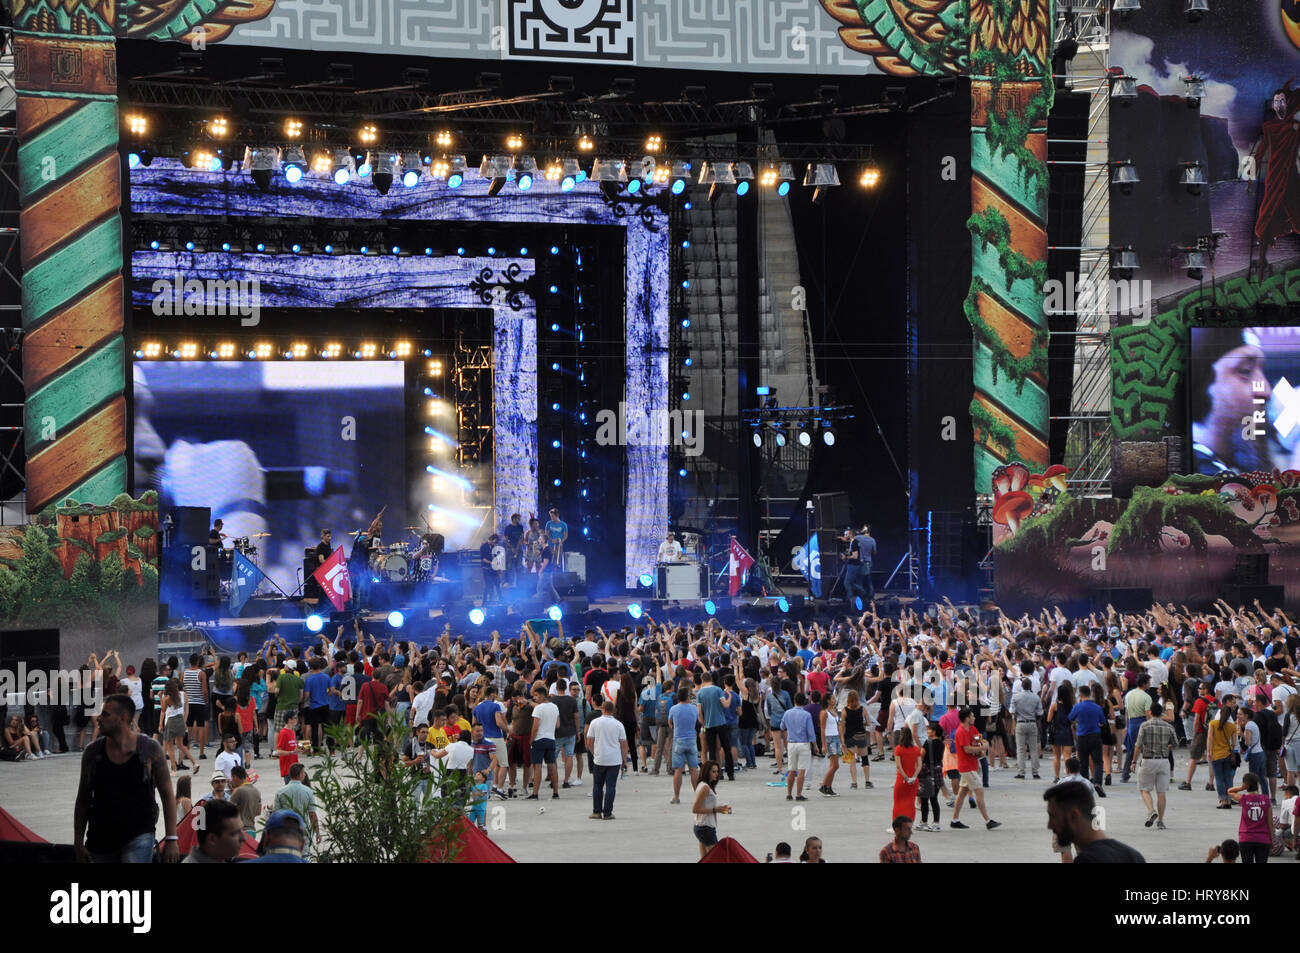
x=190 y=524
x=574 y=605
x=832 y=550
x=205 y=583
x=1124 y=599
x=831 y=511
x=1241 y=594
x=570 y=584
x=1250 y=569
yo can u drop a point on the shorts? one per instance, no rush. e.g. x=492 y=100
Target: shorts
x=500 y=745
x=517 y=747
x=543 y=750
x=855 y=742
x=799 y=754
x=198 y=716
x=971 y=780
x=174 y=730
x=1153 y=775
x=1291 y=756
x=648 y=732
x=833 y=746
x=706 y=835
x=1198 y=747
x=566 y=745
x=316 y=715
x=685 y=754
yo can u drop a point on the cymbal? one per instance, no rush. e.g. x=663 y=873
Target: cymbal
x=355 y=532
x=257 y=535
x=413 y=528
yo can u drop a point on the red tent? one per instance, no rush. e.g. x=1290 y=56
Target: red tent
x=729 y=851
x=11 y=830
x=187 y=835
x=476 y=847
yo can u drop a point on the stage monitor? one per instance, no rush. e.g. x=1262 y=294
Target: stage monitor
x=277 y=449
x=1244 y=388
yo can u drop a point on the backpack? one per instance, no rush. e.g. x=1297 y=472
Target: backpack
x=1270 y=732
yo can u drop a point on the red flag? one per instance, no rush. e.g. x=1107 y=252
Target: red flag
x=740 y=563
x=332 y=575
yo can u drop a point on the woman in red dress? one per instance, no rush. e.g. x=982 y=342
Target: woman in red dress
x=907 y=768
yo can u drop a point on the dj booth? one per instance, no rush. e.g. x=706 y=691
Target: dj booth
x=681 y=581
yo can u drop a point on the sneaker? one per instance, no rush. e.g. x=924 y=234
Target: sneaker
x=867 y=784
x=800 y=797
x=555 y=795
x=1056 y=780
x=566 y=784
x=675 y=800
x=993 y=824
x=1019 y=777
x=1108 y=779
x=531 y=797
x=609 y=817
x=1151 y=819
x=951 y=802
x=1160 y=826
x=1037 y=777
x=936 y=827
x=1184 y=786
x=789 y=797
x=1209 y=787
x=576 y=782
x=958 y=825
x=594 y=816
x=830 y=792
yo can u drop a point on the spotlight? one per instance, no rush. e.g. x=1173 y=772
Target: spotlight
x=292 y=128
x=396 y=619
x=804 y=437
x=783 y=604
x=609 y=170
x=1193 y=177
x=870 y=176
x=315 y=623
x=411 y=166
x=1126 y=8
x=634 y=610
x=554 y=170
x=633 y=185
x=828 y=437
x=322 y=164
x=820 y=177
x=444 y=139
x=744 y=175
x=1195 y=10
x=456 y=175
x=384 y=165
x=1193 y=90
x=1125 y=175
x=261 y=162
x=555 y=613
x=368 y=135
x=344 y=167
x=218 y=128
x=710 y=607
x=497 y=169
x=779 y=435
x=137 y=124
x=681 y=173
x=1123 y=89
x=439 y=168
x=654 y=143
x=586 y=143
x=570 y=175
x=525 y=168
x=476 y=616
x=295 y=163
x=1195 y=262
x=758 y=438
x=514 y=142
x=1123 y=262
x=646 y=580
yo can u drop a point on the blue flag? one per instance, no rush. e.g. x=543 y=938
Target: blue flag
x=243 y=582
x=808 y=560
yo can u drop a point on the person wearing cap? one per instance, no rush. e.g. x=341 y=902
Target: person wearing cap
x=283 y=839
x=1155 y=744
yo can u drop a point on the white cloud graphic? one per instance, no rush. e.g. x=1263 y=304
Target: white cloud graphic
x=1133 y=52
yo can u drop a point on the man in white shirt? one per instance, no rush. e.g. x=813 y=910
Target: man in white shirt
x=587 y=647
x=1281 y=692
x=456 y=757
x=607 y=741
x=670 y=551
x=1157 y=669
x=229 y=757
x=422 y=704
x=541 y=741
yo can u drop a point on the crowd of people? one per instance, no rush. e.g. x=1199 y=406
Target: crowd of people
x=931 y=702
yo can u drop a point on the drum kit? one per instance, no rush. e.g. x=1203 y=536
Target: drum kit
x=398 y=562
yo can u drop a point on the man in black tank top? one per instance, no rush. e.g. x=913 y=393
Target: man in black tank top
x=120 y=772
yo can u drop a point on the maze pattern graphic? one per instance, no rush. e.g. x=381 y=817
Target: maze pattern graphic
x=601 y=30
x=789 y=36
x=1148 y=361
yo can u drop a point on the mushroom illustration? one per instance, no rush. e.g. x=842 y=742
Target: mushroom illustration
x=1011 y=508
x=1019 y=474
x=1054 y=476
x=1289 y=478
x=1266 y=497
x=1174 y=540
x=1035 y=485
x=1001 y=481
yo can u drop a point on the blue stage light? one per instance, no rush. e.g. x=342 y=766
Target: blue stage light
x=783 y=189
x=341 y=176
x=315 y=623
x=555 y=249
x=633 y=186
x=455 y=180
x=396 y=619
x=476 y=616
x=293 y=174
x=634 y=610
x=555 y=613
x=783 y=604
x=710 y=607
x=410 y=178
x=742 y=189
x=679 y=186
x=132 y=160
x=646 y=580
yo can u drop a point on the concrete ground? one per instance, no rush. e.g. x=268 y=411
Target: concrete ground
x=853 y=827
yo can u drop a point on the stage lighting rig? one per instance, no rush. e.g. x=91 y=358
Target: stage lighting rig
x=586 y=143
x=497 y=170
x=412 y=166
x=295 y=164
x=514 y=142
x=1124 y=174
x=743 y=173
x=383 y=166
x=344 y=167
x=1123 y=262
x=1195 y=10
x=1193 y=90
x=1192 y=177
x=870 y=177
x=368 y=135
x=778 y=176
x=1194 y=261
x=456 y=171
x=1126 y=8
x=820 y=177
x=654 y=144
x=261 y=162
x=218 y=127
x=681 y=176
x=525 y=171
x=137 y=124
x=1124 y=90
x=292 y=128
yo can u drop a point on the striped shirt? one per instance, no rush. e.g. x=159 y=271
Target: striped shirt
x=196 y=686
x=1156 y=738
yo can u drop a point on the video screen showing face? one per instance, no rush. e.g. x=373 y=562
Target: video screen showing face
x=1245 y=399
x=278 y=450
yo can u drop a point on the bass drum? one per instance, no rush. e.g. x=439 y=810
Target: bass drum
x=393 y=568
